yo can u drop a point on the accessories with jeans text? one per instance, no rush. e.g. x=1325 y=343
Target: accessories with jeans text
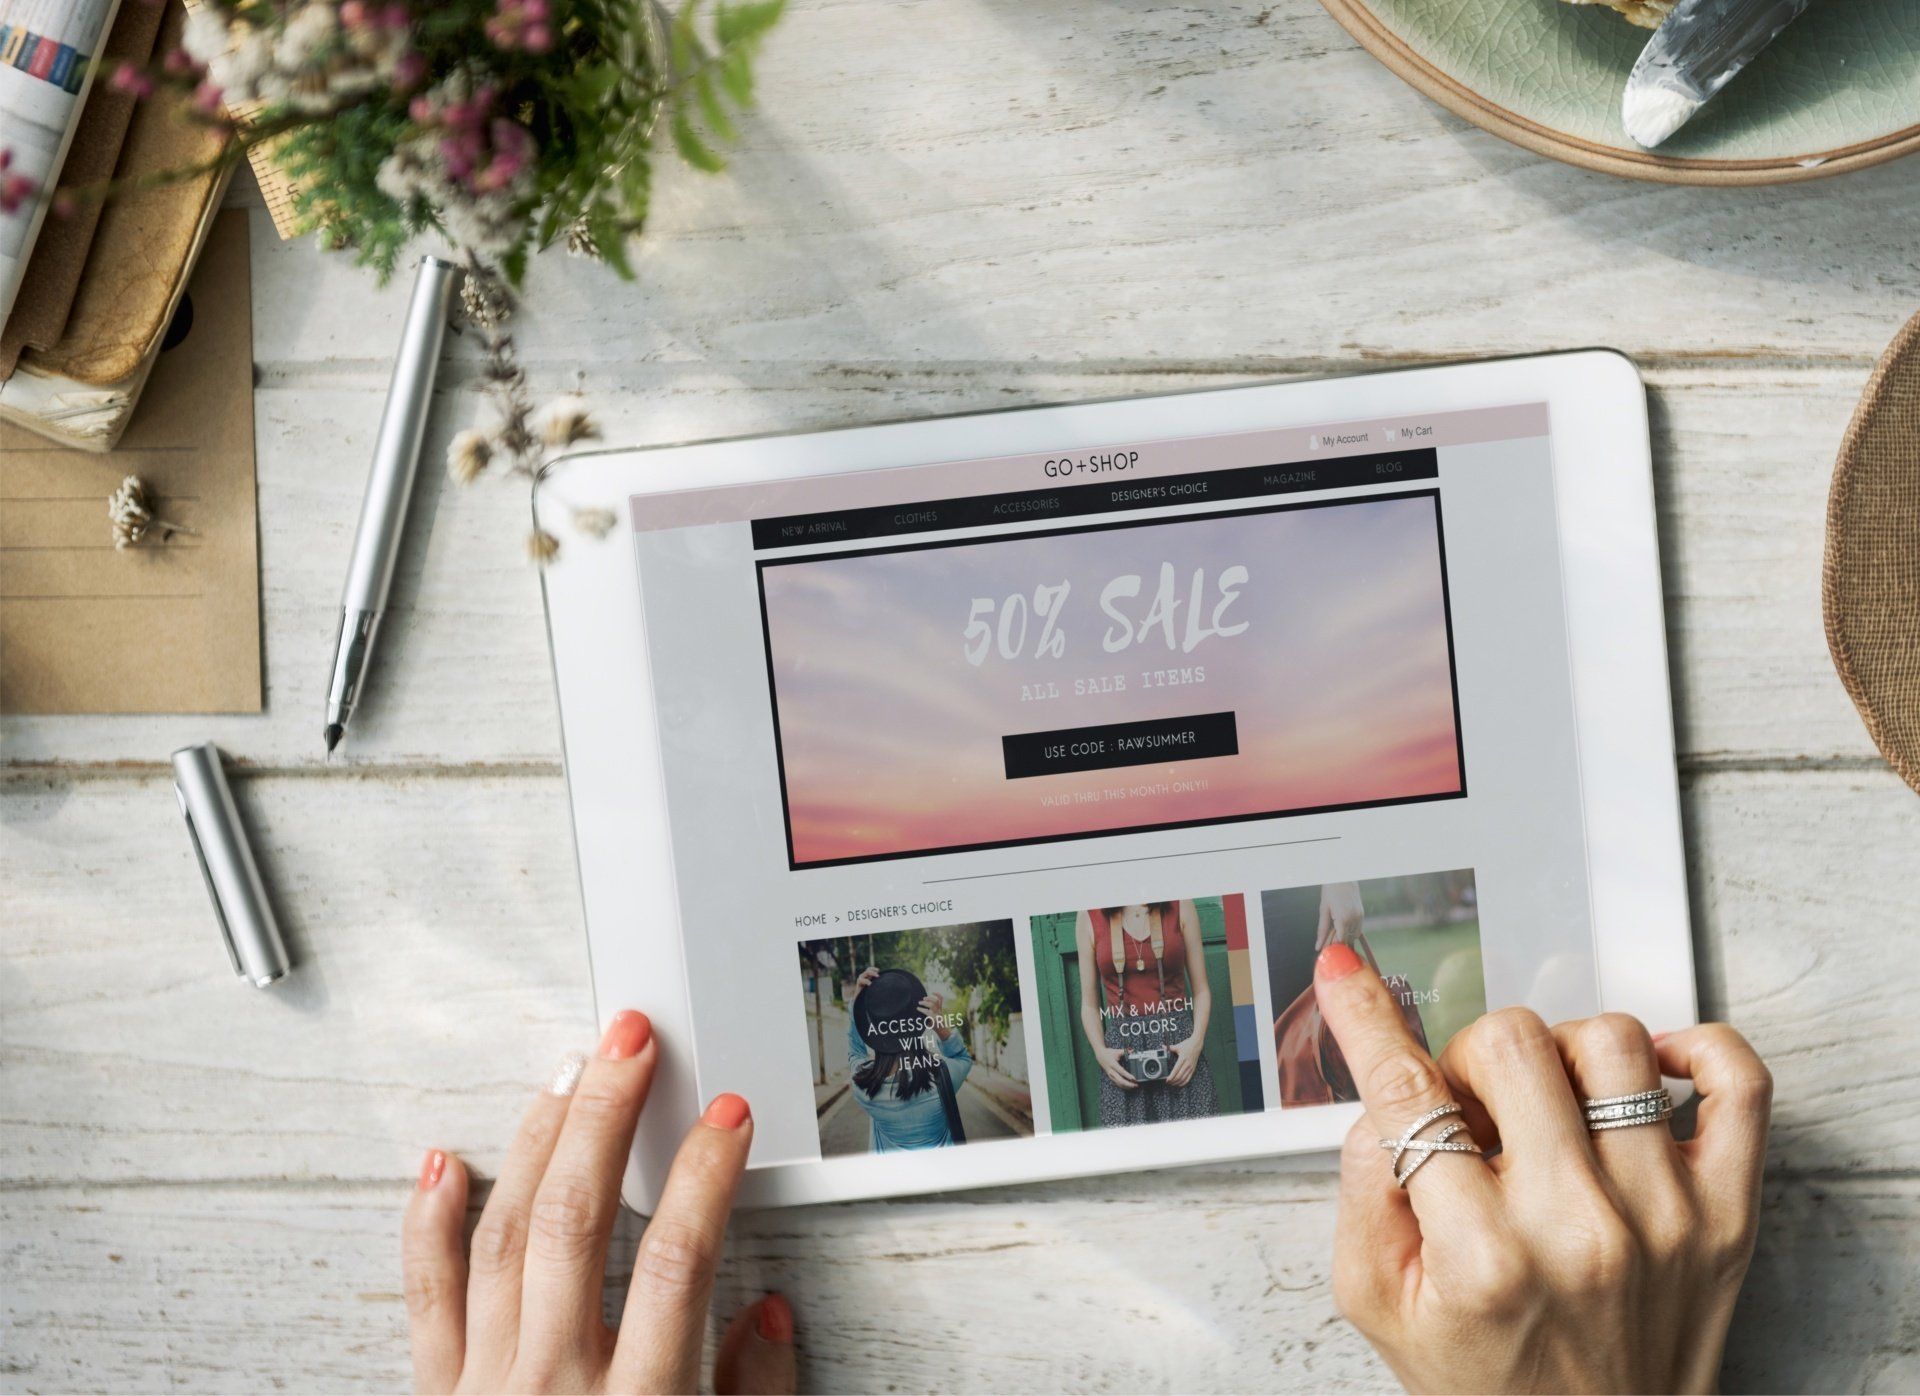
x=886 y=1014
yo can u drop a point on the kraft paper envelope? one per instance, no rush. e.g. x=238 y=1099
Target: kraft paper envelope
x=170 y=625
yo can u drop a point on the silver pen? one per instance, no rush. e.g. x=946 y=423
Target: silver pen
x=383 y=513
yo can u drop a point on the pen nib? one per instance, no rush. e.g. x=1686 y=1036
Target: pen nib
x=334 y=732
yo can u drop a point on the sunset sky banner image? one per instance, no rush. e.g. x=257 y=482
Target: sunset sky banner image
x=1322 y=629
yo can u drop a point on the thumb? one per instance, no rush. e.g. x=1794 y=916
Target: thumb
x=756 y=1355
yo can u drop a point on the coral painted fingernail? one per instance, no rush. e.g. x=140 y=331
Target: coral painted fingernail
x=776 y=1319
x=627 y=1036
x=431 y=1169
x=1337 y=961
x=728 y=1111
x=567 y=1075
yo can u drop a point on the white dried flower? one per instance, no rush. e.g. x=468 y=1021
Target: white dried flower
x=596 y=523
x=307 y=31
x=130 y=516
x=468 y=455
x=401 y=175
x=128 y=513
x=542 y=547
x=580 y=240
x=273 y=87
x=351 y=82
x=206 y=35
x=565 y=421
x=238 y=70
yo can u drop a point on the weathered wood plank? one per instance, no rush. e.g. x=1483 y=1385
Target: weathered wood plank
x=1068 y=1287
x=1053 y=211
x=1744 y=457
x=444 y=970
x=1163 y=184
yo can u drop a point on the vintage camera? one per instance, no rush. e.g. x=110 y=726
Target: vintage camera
x=1149 y=1065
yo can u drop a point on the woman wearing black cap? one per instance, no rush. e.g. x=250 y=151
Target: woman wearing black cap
x=906 y=1085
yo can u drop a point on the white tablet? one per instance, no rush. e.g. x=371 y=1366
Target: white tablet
x=971 y=794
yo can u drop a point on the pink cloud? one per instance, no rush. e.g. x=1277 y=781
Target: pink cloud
x=1340 y=682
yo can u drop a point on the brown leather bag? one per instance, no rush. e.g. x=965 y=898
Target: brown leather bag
x=1313 y=1071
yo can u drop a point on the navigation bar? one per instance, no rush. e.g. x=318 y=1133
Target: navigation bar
x=1104 y=497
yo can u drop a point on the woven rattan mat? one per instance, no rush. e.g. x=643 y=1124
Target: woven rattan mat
x=1871 y=584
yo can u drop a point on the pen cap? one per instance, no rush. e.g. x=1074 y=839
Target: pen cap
x=240 y=903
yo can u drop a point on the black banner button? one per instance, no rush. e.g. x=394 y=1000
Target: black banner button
x=1151 y=742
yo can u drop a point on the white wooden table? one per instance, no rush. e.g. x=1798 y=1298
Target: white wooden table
x=941 y=206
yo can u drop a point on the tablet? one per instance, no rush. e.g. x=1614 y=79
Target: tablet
x=971 y=795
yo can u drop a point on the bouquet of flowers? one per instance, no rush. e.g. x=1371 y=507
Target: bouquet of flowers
x=504 y=126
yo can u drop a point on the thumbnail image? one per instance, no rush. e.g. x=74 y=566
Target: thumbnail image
x=1422 y=932
x=1147 y=1013
x=915 y=1038
x=1124 y=677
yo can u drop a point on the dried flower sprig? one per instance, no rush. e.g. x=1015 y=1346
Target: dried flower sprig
x=130 y=515
x=503 y=125
x=522 y=441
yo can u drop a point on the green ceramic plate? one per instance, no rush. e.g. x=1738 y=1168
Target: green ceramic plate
x=1840 y=89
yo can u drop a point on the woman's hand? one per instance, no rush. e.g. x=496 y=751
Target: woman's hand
x=867 y=976
x=1109 y=1059
x=1186 y=1060
x=1571 y=1261
x=1341 y=913
x=520 y=1308
x=934 y=1006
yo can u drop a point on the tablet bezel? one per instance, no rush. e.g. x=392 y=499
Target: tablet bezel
x=1622 y=713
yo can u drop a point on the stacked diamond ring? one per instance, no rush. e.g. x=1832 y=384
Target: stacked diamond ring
x=1621 y=1111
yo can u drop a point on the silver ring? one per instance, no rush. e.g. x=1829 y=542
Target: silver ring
x=1423 y=1149
x=1624 y=1111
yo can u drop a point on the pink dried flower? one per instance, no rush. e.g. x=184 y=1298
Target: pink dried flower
x=15 y=191
x=409 y=71
x=178 y=63
x=128 y=78
x=521 y=24
x=64 y=205
x=208 y=99
x=512 y=153
x=461 y=152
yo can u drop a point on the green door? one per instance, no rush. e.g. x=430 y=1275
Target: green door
x=1073 y=1076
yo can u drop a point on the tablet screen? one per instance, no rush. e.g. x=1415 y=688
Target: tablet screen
x=924 y=731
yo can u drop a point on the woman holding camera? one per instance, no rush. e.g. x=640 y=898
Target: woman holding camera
x=1145 y=1009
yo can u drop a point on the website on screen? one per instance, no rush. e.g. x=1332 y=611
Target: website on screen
x=925 y=730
